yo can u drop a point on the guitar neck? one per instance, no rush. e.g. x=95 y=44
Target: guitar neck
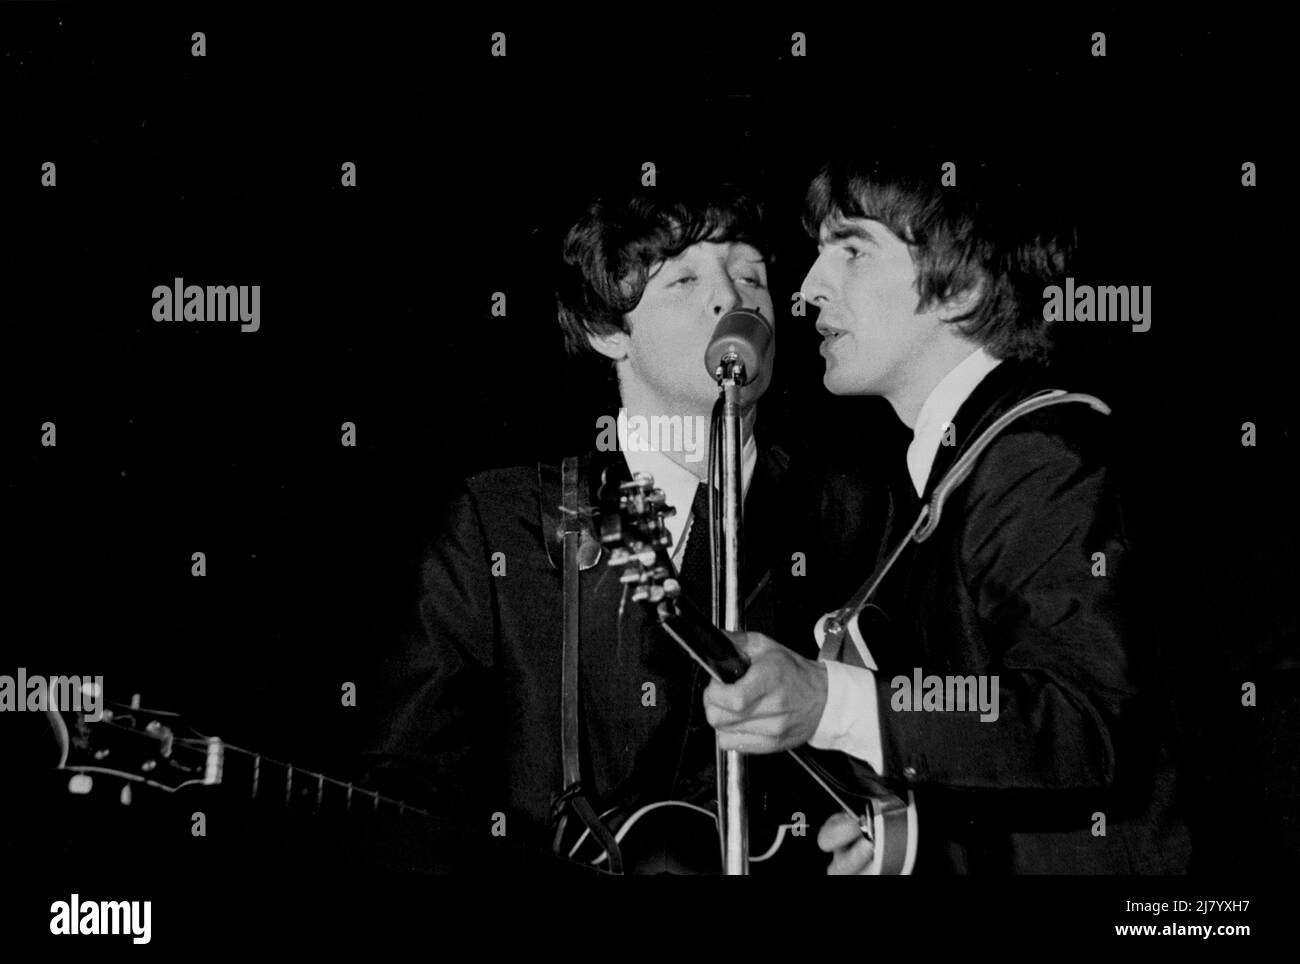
x=302 y=792
x=704 y=642
x=266 y=781
x=849 y=784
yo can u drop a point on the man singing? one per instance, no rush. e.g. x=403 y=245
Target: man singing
x=932 y=298
x=479 y=686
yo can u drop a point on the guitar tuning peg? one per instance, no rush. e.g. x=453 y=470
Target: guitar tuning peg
x=125 y=796
x=80 y=783
x=641 y=482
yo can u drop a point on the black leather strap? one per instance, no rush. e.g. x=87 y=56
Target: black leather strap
x=578 y=550
x=571 y=536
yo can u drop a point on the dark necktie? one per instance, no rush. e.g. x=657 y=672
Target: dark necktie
x=696 y=569
x=694 y=775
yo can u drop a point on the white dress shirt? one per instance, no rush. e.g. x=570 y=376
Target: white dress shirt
x=850 y=721
x=937 y=412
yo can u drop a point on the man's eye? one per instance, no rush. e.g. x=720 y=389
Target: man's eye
x=853 y=251
x=752 y=279
x=684 y=279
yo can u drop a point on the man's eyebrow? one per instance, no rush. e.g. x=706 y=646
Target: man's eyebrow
x=846 y=231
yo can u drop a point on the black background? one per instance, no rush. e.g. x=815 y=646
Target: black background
x=177 y=437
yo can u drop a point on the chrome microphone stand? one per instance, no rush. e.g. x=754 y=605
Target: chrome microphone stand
x=739 y=350
x=727 y=604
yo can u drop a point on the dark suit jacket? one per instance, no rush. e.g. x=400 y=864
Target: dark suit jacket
x=1005 y=586
x=475 y=685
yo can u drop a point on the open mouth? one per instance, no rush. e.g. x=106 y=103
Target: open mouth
x=828 y=333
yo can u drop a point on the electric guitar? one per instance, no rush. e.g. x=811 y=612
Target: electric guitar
x=634 y=529
x=157 y=749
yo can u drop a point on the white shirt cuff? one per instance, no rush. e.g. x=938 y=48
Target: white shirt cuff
x=850 y=720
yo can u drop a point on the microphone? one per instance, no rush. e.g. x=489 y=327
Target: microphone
x=746 y=334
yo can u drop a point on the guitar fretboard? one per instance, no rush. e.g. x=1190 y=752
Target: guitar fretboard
x=266 y=781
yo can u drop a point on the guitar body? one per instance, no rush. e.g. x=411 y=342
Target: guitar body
x=666 y=837
x=676 y=837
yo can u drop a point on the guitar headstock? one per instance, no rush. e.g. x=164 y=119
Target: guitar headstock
x=153 y=747
x=633 y=526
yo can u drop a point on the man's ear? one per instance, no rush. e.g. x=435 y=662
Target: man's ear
x=613 y=345
x=966 y=301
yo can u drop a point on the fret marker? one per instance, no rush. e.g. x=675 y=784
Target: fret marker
x=213 y=765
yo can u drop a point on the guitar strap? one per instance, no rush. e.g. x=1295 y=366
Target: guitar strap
x=834 y=625
x=569 y=535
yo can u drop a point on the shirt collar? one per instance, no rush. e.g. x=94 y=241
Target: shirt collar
x=939 y=408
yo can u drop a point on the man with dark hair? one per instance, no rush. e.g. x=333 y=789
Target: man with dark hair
x=484 y=677
x=1013 y=693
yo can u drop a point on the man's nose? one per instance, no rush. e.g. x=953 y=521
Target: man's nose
x=726 y=298
x=814 y=289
